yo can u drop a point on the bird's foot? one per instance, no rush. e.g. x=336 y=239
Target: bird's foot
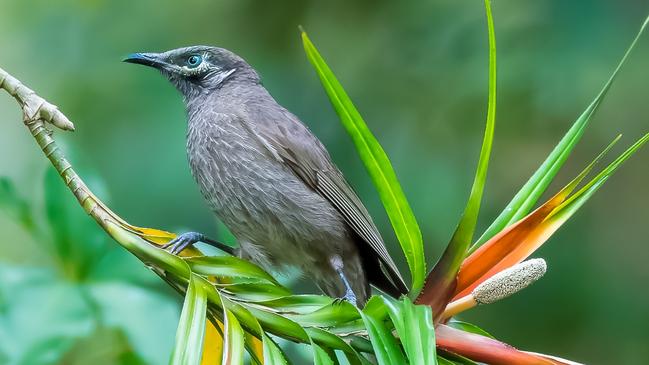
x=348 y=297
x=187 y=239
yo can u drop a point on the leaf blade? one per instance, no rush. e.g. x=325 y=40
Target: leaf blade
x=385 y=346
x=191 y=327
x=532 y=190
x=441 y=281
x=228 y=266
x=520 y=240
x=234 y=340
x=272 y=353
x=414 y=325
x=378 y=166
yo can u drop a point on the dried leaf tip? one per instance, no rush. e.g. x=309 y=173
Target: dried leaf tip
x=509 y=281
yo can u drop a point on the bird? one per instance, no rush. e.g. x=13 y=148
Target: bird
x=270 y=180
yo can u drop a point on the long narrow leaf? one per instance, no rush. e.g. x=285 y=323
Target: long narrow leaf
x=520 y=240
x=260 y=346
x=230 y=267
x=332 y=342
x=580 y=197
x=529 y=194
x=255 y=347
x=443 y=361
x=378 y=166
x=329 y=316
x=273 y=355
x=385 y=346
x=475 y=267
x=191 y=328
x=234 y=340
x=320 y=356
x=298 y=304
x=468 y=327
x=440 y=282
x=414 y=326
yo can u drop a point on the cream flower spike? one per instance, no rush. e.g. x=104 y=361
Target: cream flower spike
x=505 y=283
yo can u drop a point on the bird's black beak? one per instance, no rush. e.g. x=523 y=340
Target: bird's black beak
x=147 y=59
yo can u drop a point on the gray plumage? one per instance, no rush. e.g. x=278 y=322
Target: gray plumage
x=270 y=180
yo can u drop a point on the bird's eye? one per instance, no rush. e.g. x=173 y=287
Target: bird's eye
x=194 y=60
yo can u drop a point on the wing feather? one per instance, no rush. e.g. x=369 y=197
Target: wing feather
x=307 y=157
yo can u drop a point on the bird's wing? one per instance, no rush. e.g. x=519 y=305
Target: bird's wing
x=292 y=143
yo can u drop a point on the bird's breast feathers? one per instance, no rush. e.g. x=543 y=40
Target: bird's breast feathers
x=259 y=198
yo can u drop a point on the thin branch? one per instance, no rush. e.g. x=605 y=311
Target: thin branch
x=34 y=107
x=37 y=113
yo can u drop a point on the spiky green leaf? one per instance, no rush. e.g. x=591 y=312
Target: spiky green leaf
x=529 y=194
x=378 y=166
x=440 y=282
x=191 y=327
x=234 y=340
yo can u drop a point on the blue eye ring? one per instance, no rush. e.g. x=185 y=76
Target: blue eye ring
x=194 y=60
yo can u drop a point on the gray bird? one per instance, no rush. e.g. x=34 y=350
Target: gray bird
x=270 y=180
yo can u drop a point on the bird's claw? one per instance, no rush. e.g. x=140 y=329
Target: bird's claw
x=349 y=297
x=181 y=242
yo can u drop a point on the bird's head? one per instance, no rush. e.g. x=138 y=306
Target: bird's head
x=197 y=69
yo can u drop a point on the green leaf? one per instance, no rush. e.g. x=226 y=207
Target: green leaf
x=15 y=204
x=331 y=341
x=378 y=166
x=518 y=241
x=329 y=316
x=525 y=199
x=35 y=301
x=465 y=229
x=77 y=241
x=45 y=351
x=386 y=349
x=254 y=346
x=574 y=202
x=360 y=344
x=440 y=282
x=279 y=325
x=228 y=267
x=254 y=333
x=106 y=346
x=191 y=328
x=256 y=292
x=443 y=361
x=414 y=326
x=320 y=356
x=161 y=316
x=272 y=353
x=246 y=319
x=376 y=307
x=468 y=327
x=298 y=304
x=234 y=340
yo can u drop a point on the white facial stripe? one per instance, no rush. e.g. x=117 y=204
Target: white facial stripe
x=222 y=75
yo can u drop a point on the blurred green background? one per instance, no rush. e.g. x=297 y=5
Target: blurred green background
x=417 y=71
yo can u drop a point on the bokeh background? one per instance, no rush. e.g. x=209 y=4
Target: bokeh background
x=417 y=71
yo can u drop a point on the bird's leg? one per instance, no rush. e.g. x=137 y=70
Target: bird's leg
x=337 y=264
x=187 y=239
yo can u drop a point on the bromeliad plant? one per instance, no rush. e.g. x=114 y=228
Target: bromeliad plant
x=232 y=306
